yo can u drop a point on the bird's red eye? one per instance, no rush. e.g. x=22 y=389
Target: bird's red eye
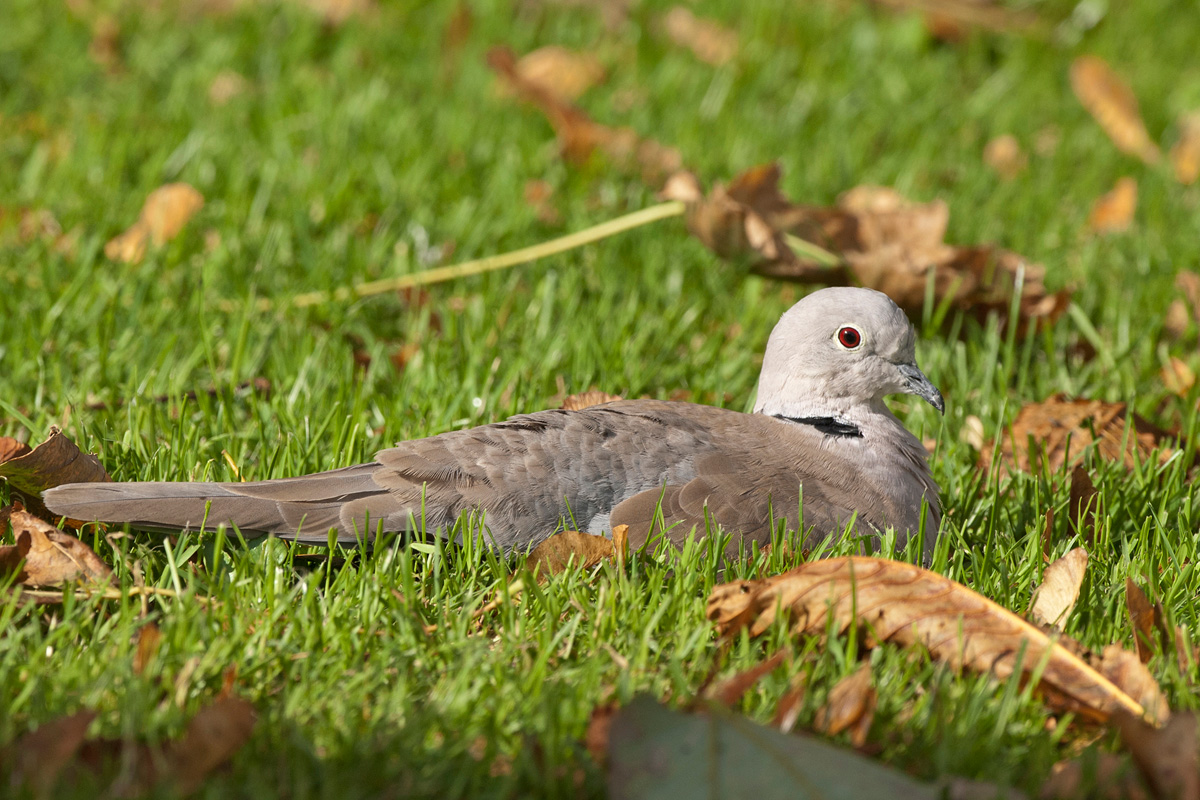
x=849 y=337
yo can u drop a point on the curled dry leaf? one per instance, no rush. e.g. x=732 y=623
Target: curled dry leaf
x=1005 y=156
x=53 y=462
x=1185 y=155
x=708 y=40
x=874 y=237
x=592 y=397
x=10 y=448
x=1126 y=671
x=851 y=706
x=584 y=549
x=1060 y=431
x=579 y=136
x=730 y=690
x=563 y=73
x=164 y=214
x=45 y=556
x=1147 y=620
x=1113 y=211
x=1055 y=598
x=1166 y=756
x=1114 y=105
x=896 y=602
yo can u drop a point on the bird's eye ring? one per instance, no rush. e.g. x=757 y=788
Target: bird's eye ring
x=849 y=337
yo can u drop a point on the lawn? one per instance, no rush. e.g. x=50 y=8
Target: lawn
x=381 y=145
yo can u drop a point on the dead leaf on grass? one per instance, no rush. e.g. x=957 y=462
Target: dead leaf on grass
x=892 y=601
x=149 y=638
x=1185 y=155
x=730 y=690
x=45 y=556
x=1083 y=504
x=1113 y=211
x=1059 y=431
x=1114 y=106
x=579 y=136
x=38 y=758
x=565 y=74
x=851 y=706
x=1148 y=622
x=1166 y=756
x=874 y=237
x=1097 y=774
x=53 y=462
x=1178 y=377
x=1005 y=156
x=592 y=397
x=164 y=214
x=1055 y=598
x=212 y=737
x=709 y=41
x=10 y=448
x=1130 y=675
x=584 y=549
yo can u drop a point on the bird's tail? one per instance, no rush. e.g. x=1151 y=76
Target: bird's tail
x=304 y=508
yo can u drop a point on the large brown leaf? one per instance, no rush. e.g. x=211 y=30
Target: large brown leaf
x=1060 y=431
x=1166 y=756
x=45 y=556
x=53 y=462
x=896 y=602
x=164 y=214
x=1114 y=105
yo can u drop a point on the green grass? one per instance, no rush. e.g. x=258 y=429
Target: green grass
x=353 y=150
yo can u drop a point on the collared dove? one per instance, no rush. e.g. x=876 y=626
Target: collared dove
x=821 y=450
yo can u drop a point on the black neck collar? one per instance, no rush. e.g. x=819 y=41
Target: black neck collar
x=830 y=426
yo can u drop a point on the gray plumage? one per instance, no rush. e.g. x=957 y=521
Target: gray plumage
x=819 y=427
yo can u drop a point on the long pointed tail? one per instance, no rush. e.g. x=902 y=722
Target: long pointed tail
x=304 y=508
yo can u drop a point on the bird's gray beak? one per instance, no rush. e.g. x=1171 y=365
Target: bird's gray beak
x=916 y=383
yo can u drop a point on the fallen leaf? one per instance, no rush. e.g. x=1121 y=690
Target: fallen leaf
x=566 y=547
x=1178 y=377
x=1177 y=319
x=787 y=711
x=1096 y=774
x=1083 y=504
x=1055 y=598
x=897 y=602
x=564 y=74
x=1113 y=211
x=592 y=397
x=596 y=737
x=730 y=690
x=53 y=462
x=1114 y=105
x=654 y=752
x=148 y=640
x=709 y=41
x=39 y=757
x=950 y=18
x=1186 y=657
x=164 y=214
x=851 y=705
x=45 y=556
x=1166 y=756
x=1005 y=157
x=212 y=737
x=1147 y=620
x=10 y=448
x=579 y=136
x=1127 y=672
x=972 y=433
x=874 y=237
x=225 y=86
x=1185 y=155
x=1059 y=432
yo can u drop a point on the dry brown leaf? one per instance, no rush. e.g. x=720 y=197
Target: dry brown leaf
x=1177 y=319
x=592 y=397
x=1113 y=211
x=1055 y=598
x=874 y=237
x=225 y=86
x=45 y=556
x=164 y=214
x=554 y=554
x=212 y=737
x=851 y=705
x=1187 y=657
x=1060 y=431
x=579 y=136
x=1111 y=778
x=787 y=711
x=1166 y=756
x=1147 y=620
x=1005 y=156
x=1114 y=105
x=1185 y=155
x=564 y=73
x=892 y=601
x=39 y=757
x=1127 y=672
x=1083 y=504
x=1178 y=377
x=599 y=725
x=53 y=462
x=148 y=640
x=10 y=448
x=709 y=41
x=730 y=690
